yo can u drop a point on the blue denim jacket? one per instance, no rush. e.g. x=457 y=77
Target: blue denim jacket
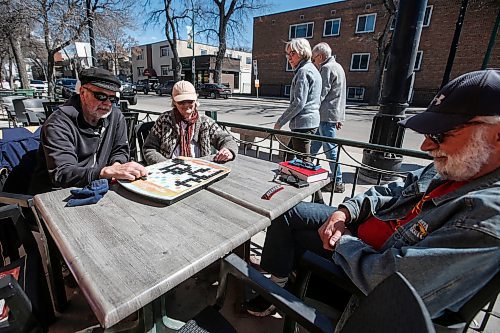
x=448 y=252
x=305 y=93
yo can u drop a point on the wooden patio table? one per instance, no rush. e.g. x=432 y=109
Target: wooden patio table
x=126 y=251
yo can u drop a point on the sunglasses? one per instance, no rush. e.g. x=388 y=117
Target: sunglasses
x=186 y=102
x=102 y=97
x=291 y=180
x=439 y=138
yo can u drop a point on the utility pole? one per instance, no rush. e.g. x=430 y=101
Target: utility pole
x=454 y=43
x=396 y=87
x=90 y=19
x=193 y=62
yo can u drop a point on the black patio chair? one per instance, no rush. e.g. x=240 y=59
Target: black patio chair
x=20 y=246
x=393 y=306
x=131 y=119
x=50 y=106
x=314 y=266
x=142 y=130
x=21 y=318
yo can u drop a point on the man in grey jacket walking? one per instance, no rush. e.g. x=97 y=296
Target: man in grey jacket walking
x=332 y=108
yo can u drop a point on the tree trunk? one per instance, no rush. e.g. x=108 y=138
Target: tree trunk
x=50 y=73
x=11 y=78
x=21 y=66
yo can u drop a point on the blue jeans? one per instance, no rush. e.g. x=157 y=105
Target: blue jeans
x=291 y=234
x=330 y=149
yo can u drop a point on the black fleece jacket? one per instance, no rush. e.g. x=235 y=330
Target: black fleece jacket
x=72 y=152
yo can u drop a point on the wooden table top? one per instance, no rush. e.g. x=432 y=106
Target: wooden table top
x=250 y=178
x=126 y=251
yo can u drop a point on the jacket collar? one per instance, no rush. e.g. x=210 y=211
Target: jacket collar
x=431 y=179
x=301 y=64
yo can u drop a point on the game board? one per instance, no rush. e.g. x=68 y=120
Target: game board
x=172 y=180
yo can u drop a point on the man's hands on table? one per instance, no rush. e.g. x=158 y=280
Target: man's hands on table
x=331 y=231
x=127 y=171
x=223 y=155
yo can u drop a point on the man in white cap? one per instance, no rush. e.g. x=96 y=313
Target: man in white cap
x=182 y=131
x=86 y=138
x=440 y=228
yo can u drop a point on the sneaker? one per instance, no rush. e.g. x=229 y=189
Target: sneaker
x=339 y=187
x=259 y=307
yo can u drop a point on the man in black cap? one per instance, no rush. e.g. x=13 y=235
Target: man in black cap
x=86 y=139
x=440 y=228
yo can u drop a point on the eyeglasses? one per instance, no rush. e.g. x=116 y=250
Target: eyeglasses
x=186 y=102
x=290 y=54
x=439 y=138
x=102 y=97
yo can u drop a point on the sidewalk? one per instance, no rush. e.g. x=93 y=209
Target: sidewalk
x=283 y=100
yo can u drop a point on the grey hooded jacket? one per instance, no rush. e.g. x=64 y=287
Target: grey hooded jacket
x=333 y=92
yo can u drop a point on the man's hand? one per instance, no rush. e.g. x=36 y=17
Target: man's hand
x=331 y=231
x=277 y=126
x=338 y=125
x=126 y=171
x=223 y=155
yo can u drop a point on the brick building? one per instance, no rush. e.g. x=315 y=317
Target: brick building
x=351 y=28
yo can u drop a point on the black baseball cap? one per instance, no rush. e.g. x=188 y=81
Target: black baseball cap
x=100 y=77
x=469 y=95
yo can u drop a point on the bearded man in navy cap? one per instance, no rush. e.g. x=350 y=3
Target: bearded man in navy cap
x=440 y=228
x=86 y=138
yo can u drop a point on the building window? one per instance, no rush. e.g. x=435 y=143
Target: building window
x=366 y=23
x=289 y=67
x=427 y=16
x=140 y=71
x=331 y=28
x=140 y=56
x=418 y=60
x=355 y=93
x=287 y=90
x=304 y=30
x=165 y=69
x=360 y=61
x=248 y=60
x=164 y=51
x=203 y=52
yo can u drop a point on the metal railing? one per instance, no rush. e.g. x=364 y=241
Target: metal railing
x=269 y=137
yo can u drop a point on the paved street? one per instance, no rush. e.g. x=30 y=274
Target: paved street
x=264 y=112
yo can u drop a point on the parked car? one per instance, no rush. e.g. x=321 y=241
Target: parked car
x=65 y=87
x=147 y=85
x=165 y=88
x=40 y=86
x=214 y=90
x=128 y=92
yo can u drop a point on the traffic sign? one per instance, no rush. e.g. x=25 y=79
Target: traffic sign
x=255 y=71
x=257 y=84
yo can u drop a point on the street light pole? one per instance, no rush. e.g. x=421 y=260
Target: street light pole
x=193 y=62
x=90 y=20
x=396 y=88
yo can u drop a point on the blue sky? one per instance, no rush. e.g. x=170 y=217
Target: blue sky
x=155 y=34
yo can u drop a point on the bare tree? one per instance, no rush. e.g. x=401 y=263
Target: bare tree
x=383 y=40
x=171 y=17
x=62 y=22
x=113 y=44
x=14 y=27
x=228 y=18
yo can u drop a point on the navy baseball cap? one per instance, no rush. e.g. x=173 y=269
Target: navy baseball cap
x=468 y=96
x=100 y=77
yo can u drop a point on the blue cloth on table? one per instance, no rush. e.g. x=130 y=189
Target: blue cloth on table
x=90 y=194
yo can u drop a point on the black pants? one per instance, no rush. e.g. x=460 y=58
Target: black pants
x=300 y=145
